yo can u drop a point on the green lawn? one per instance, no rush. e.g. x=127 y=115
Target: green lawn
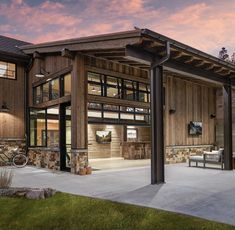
x=64 y=211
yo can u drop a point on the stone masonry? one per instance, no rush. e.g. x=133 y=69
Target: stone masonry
x=11 y=144
x=79 y=160
x=44 y=158
x=180 y=154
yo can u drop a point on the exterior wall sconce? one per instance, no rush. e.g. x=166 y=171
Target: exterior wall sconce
x=172 y=111
x=212 y=116
x=4 y=108
x=42 y=73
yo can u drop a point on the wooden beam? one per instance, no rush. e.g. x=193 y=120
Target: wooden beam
x=101 y=51
x=67 y=53
x=209 y=66
x=55 y=102
x=176 y=54
x=79 y=104
x=116 y=101
x=117 y=74
x=189 y=60
x=109 y=54
x=37 y=55
x=199 y=63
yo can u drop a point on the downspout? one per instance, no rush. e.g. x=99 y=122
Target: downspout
x=163 y=59
x=26 y=76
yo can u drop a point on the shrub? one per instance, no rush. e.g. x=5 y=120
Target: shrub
x=5 y=178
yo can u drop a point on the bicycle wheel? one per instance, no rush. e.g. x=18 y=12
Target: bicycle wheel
x=20 y=161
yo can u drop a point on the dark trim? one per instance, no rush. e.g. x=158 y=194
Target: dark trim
x=195 y=72
x=24 y=59
x=228 y=142
x=157 y=126
x=92 y=120
x=55 y=102
x=54 y=75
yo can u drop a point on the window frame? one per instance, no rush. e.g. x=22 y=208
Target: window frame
x=16 y=68
x=46 y=127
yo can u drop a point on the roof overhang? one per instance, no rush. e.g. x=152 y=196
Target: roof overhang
x=150 y=45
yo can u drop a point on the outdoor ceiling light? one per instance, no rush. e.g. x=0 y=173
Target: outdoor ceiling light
x=4 y=108
x=93 y=89
x=42 y=73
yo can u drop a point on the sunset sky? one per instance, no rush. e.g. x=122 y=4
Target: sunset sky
x=207 y=25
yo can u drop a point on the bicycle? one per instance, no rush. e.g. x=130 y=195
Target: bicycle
x=13 y=157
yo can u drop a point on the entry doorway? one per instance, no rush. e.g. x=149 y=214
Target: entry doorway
x=112 y=146
x=65 y=137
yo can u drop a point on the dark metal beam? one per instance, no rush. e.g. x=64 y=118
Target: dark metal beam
x=139 y=55
x=228 y=144
x=196 y=72
x=157 y=126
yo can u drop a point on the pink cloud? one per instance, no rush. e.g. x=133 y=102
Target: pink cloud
x=202 y=25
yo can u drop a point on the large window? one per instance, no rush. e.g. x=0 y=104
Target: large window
x=108 y=86
x=7 y=70
x=45 y=92
x=37 y=127
x=112 y=87
x=53 y=89
x=118 y=114
x=67 y=84
x=44 y=127
x=95 y=84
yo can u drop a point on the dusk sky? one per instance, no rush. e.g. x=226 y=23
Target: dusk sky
x=207 y=25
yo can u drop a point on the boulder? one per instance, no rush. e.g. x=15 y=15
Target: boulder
x=29 y=193
x=35 y=194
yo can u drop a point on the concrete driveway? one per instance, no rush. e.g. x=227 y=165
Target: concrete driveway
x=205 y=193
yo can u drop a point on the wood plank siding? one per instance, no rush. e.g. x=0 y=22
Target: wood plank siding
x=12 y=92
x=191 y=102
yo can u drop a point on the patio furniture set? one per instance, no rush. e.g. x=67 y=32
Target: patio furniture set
x=216 y=157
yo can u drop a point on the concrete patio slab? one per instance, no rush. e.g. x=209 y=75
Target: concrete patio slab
x=205 y=193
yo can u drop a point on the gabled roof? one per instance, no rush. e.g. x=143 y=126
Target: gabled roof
x=10 y=47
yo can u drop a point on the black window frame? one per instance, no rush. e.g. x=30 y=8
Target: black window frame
x=61 y=89
x=16 y=67
x=121 y=86
x=46 y=117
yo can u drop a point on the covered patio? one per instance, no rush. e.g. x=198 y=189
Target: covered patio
x=205 y=193
x=187 y=86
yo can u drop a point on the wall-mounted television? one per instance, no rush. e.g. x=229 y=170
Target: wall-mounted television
x=195 y=128
x=103 y=137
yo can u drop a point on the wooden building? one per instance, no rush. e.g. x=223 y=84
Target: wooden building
x=90 y=98
x=13 y=64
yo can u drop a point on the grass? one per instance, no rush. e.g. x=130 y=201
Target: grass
x=64 y=211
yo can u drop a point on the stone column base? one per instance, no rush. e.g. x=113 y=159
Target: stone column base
x=79 y=160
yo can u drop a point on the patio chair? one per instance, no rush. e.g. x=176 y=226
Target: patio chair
x=214 y=157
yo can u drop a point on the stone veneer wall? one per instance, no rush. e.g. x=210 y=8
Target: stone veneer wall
x=44 y=158
x=79 y=160
x=180 y=154
x=11 y=143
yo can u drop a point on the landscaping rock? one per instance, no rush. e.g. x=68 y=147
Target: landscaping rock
x=29 y=193
x=35 y=194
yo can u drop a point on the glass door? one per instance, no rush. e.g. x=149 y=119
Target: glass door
x=65 y=136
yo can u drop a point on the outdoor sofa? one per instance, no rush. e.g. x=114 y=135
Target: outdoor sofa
x=214 y=157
